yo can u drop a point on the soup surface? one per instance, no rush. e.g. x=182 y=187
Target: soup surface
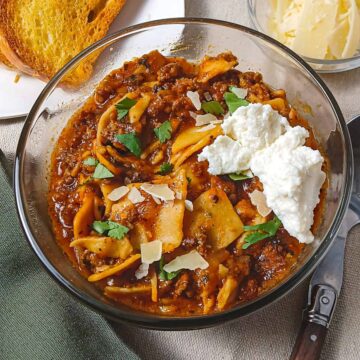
x=128 y=194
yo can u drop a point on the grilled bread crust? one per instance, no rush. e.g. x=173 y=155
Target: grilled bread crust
x=39 y=37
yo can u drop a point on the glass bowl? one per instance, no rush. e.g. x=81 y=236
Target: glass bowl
x=192 y=39
x=259 y=12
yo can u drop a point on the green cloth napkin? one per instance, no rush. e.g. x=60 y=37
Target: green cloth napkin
x=38 y=320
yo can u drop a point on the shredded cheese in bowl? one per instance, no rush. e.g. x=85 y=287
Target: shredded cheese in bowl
x=318 y=29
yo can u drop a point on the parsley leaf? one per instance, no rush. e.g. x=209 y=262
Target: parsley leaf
x=101 y=172
x=254 y=238
x=100 y=226
x=110 y=228
x=212 y=107
x=90 y=161
x=188 y=178
x=165 y=168
x=164 y=275
x=123 y=107
x=118 y=232
x=163 y=132
x=233 y=102
x=261 y=231
x=271 y=226
x=238 y=176
x=131 y=142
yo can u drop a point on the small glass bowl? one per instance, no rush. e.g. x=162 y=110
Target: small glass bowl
x=259 y=12
x=192 y=39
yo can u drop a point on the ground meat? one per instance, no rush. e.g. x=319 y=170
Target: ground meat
x=91 y=261
x=249 y=290
x=181 y=284
x=165 y=287
x=198 y=242
x=182 y=86
x=271 y=260
x=239 y=266
x=181 y=104
x=258 y=92
x=156 y=107
x=169 y=72
x=247 y=79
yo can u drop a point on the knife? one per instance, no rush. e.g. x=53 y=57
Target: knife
x=326 y=282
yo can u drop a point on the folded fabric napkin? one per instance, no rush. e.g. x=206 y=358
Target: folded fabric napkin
x=38 y=320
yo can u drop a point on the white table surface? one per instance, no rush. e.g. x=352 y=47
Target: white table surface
x=269 y=333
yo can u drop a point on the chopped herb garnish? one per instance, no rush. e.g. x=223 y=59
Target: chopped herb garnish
x=131 y=142
x=165 y=168
x=110 y=228
x=261 y=231
x=101 y=172
x=164 y=275
x=188 y=179
x=123 y=107
x=212 y=107
x=238 y=176
x=163 y=132
x=118 y=232
x=233 y=102
x=90 y=161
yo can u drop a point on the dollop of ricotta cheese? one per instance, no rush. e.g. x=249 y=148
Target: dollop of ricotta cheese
x=249 y=129
x=291 y=176
x=225 y=156
x=255 y=126
x=260 y=139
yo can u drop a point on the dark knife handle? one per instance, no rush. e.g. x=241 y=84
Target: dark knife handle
x=309 y=341
x=316 y=320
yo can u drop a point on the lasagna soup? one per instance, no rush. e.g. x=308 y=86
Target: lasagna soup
x=186 y=188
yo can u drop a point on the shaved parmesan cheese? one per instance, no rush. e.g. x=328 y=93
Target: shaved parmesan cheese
x=248 y=173
x=258 y=199
x=190 y=261
x=193 y=114
x=206 y=128
x=195 y=99
x=151 y=251
x=118 y=193
x=189 y=205
x=142 y=271
x=161 y=191
x=239 y=92
x=135 y=196
x=178 y=195
x=207 y=96
x=157 y=201
x=205 y=119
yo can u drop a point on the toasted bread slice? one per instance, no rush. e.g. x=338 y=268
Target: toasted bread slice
x=40 y=36
x=4 y=60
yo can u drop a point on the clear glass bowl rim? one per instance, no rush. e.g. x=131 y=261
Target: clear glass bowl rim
x=179 y=323
x=252 y=14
